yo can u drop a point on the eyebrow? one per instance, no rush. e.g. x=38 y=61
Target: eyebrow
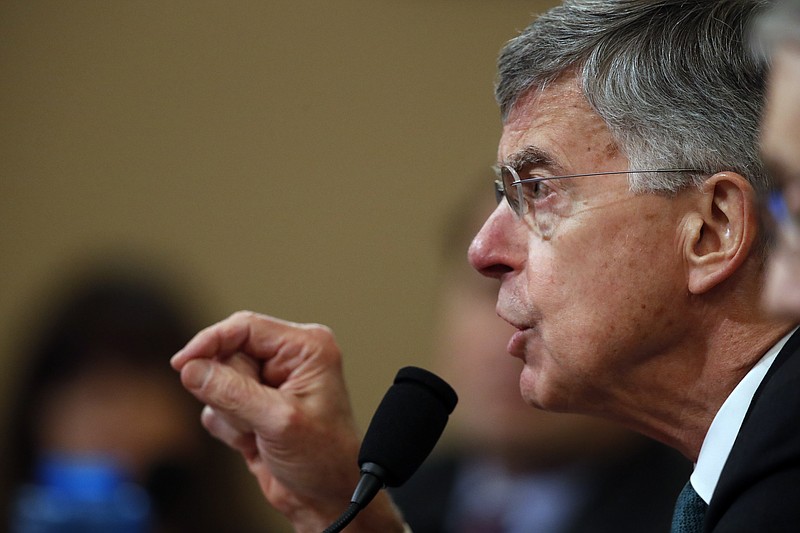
x=531 y=155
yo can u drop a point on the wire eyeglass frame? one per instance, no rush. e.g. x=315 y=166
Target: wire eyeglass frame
x=508 y=177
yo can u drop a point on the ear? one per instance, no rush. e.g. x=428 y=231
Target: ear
x=721 y=230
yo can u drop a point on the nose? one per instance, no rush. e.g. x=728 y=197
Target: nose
x=495 y=250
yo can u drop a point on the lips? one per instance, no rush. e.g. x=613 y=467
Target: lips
x=518 y=341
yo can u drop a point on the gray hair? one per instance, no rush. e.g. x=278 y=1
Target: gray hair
x=675 y=81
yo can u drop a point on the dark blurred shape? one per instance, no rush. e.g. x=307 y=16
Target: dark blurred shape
x=96 y=382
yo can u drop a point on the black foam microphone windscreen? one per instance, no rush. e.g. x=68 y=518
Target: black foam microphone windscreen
x=403 y=431
x=407 y=424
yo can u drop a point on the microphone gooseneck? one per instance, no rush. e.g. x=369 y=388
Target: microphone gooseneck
x=403 y=431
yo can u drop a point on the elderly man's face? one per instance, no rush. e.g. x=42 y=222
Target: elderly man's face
x=596 y=288
x=781 y=149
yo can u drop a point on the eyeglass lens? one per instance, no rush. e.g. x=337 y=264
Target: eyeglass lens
x=512 y=193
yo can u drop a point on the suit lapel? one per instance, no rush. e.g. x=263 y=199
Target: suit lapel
x=769 y=436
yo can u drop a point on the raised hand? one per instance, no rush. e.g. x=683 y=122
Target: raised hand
x=275 y=392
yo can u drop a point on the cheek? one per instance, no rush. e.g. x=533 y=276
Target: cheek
x=565 y=274
x=602 y=289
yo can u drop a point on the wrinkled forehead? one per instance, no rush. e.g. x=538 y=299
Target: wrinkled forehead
x=556 y=123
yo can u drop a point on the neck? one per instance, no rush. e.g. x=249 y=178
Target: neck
x=707 y=369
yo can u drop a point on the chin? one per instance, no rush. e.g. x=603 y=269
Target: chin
x=530 y=386
x=542 y=393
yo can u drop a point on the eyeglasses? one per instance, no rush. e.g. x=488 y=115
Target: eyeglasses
x=510 y=185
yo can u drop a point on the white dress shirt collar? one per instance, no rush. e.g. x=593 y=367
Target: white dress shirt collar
x=726 y=424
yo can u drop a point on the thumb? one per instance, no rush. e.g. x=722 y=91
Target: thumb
x=239 y=397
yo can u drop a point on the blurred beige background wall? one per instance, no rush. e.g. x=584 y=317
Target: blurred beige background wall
x=292 y=157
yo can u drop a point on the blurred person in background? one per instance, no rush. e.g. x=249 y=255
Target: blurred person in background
x=778 y=33
x=506 y=467
x=96 y=385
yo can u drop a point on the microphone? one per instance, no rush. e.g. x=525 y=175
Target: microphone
x=404 y=429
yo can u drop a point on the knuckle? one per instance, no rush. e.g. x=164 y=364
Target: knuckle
x=242 y=316
x=323 y=338
x=235 y=325
x=322 y=334
x=286 y=423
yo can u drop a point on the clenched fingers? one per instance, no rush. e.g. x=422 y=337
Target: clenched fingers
x=284 y=348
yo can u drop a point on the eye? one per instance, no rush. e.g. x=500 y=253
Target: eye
x=536 y=191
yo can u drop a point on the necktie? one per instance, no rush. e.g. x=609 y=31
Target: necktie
x=689 y=511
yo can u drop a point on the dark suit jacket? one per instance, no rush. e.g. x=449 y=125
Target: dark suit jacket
x=633 y=494
x=759 y=488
